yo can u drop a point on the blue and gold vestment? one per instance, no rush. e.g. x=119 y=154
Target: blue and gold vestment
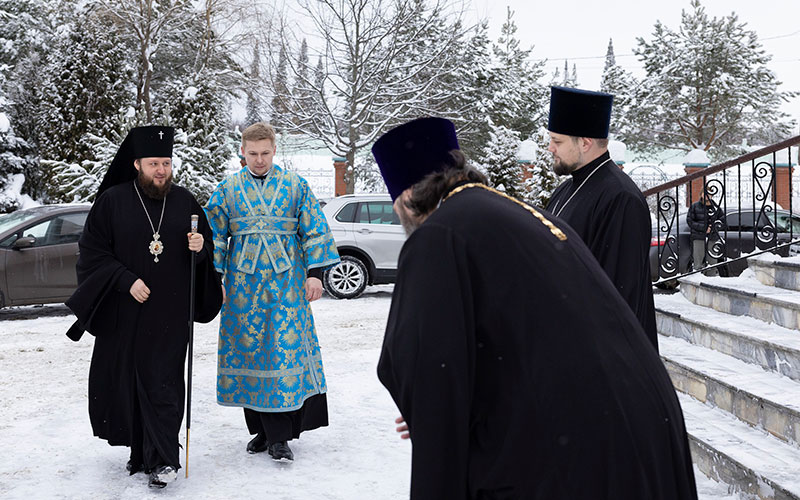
x=267 y=234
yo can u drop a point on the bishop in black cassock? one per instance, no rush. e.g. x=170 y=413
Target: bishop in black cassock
x=520 y=372
x=600 y=202
x=136 y=384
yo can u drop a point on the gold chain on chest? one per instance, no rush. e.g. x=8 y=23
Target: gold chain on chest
x=558 y=233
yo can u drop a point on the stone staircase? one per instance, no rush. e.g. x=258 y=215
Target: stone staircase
x=732 y=348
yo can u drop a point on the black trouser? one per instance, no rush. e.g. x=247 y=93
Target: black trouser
x=276 y=426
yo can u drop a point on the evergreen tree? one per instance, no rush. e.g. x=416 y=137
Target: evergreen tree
x=499 y=161
x=15 y=157
x=472 y=77
x=707 y=87
x=623 y=86
x=87 y=81
x=253 y=101
x=78 y=182
x=611 y=60
x=282 y=99
x=518 y=100
x=302 y=91
x=203 y=145
x=502 y=88
x=543 y=181
x=24 y=32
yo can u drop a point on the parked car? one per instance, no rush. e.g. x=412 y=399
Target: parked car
x=38 y=253
x=369 y=237
x=743 y=236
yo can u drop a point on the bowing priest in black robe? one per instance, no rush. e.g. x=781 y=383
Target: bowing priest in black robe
x=133 y=295
x=519 y=370
x=600 y=202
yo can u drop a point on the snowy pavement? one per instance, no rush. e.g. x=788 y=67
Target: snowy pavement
x=47 y=449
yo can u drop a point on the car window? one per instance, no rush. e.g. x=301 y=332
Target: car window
x=8 y=221
x=67 y=228
x=740 y=221
x=58 y=230
x=347 y=213
x=376 y=212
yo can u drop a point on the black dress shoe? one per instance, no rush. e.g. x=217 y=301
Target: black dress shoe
x=258 y=444
x=134 y=468
x=280 y=452
x=161 y=475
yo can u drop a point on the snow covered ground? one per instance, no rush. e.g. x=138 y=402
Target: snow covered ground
x=47 y=449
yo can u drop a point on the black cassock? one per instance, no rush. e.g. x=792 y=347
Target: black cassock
x=610 y=214
x=136 y=382
x=521 y=372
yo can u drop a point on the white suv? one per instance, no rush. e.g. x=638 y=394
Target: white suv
x=368 y=236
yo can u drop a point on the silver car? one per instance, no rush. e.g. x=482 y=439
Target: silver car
x=38 y=253
x=369 y=237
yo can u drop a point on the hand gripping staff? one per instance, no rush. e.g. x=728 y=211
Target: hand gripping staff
x=195 y=219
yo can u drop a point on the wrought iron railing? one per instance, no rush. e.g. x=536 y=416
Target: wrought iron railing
x=748 y=212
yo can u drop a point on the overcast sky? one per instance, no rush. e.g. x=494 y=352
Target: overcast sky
x=579 y=30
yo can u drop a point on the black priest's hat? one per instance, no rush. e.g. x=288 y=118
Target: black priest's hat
x=141 y=142
x=579 y=113
x=406 y=154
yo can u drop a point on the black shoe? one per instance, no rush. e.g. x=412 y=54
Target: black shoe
x=280 y=452
x=161 y=475
x=258 y=444
x=133 y=469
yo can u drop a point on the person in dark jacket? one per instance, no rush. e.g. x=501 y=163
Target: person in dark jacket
x=134 y=274
x=518 y=369
x=600 y=201
x=705 y=220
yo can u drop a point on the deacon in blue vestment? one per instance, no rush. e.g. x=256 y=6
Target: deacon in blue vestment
x=271 y=244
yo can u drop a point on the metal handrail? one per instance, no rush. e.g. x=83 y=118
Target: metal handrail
x=671 y=261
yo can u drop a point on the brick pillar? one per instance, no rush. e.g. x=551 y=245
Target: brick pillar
x=340 y=166
x=525 y=167
x=783 y=185
x=696 y=185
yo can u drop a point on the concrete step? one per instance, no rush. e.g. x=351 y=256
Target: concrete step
x=763 y=399
x=771 y=347
x=744 y=296
x=750 y=460
x=781 y=272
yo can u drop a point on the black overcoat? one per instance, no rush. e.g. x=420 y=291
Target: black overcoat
x=520 y=370
x=611 y=216
x=140 y=349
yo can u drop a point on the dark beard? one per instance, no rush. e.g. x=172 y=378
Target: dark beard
x=563 y=169
x=151 y=190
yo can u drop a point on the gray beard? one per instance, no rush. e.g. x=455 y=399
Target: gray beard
x=409 y=224
x=151 y=190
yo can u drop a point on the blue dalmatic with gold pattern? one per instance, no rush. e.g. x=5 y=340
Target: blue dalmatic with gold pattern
x=267 y=234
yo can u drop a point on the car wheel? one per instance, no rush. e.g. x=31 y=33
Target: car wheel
x=347 y=279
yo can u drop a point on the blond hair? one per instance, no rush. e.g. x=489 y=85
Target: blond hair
x=258 y=132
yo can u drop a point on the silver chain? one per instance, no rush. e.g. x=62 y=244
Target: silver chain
x=579 y=187
x=155 y=231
